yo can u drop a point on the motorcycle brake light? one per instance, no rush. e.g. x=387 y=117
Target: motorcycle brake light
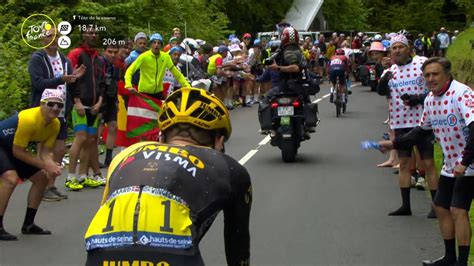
x=274 y=105
x=296 y=104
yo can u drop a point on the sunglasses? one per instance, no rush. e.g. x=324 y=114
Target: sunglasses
x=52 y=104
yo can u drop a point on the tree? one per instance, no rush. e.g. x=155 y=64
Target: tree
x=346 y=14
x=468 y=6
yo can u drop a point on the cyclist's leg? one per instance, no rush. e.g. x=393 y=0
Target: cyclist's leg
x=342 y=84
x=333 y=78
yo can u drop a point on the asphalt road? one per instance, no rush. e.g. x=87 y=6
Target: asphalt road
x=328 y=208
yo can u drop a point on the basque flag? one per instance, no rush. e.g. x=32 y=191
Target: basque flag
x=142 y=114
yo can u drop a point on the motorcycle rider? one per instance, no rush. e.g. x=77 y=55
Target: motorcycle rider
x=289 y=61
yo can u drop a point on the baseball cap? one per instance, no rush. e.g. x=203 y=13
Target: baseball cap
x=140 y=35
x=247 y=35
x=52 y=93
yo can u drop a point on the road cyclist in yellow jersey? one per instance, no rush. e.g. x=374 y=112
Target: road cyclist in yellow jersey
x=41 y=125
x=162 y=197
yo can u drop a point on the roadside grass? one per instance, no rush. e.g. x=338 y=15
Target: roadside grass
x=461 y=55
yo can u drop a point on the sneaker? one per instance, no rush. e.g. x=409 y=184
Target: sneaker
x=89 y=182
x=33 y=229
x=58 y=193
x=440 y=262
x=48 y=195
x=73 y=184
x=5 y=236
x=420 y=183
x=100 y=179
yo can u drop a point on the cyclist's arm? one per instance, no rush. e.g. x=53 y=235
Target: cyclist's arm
x=236 y=218
x=411 y=138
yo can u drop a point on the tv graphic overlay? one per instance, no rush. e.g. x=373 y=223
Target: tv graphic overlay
x=103 y=30
x=35 y=28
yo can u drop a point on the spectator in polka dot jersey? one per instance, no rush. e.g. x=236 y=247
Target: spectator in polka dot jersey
x=449 y=113
x=404 y=83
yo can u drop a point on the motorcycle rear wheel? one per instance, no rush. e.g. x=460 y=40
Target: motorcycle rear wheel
x=288 y=150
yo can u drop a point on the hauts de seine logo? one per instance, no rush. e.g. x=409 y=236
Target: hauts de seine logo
x=35 y=28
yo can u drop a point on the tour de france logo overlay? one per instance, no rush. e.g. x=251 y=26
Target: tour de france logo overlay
x=35 y=28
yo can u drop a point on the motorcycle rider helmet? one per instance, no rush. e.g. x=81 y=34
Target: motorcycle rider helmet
x=189 y=45
x=340 y=52
x=289 y=36
x=196 y=107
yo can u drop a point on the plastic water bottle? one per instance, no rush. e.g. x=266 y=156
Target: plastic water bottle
x=367 y=144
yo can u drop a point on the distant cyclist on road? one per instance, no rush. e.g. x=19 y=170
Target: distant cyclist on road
x=41 y=125
x=338 y=67
x=161 y=198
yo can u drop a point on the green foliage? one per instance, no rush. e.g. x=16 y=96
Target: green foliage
x=14 y=78
x=418 y=15
x=468 y=6
x=253 y=16
x=461 y=55
x=346 y=14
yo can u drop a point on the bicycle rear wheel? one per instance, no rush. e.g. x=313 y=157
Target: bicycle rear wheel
x=338 y=104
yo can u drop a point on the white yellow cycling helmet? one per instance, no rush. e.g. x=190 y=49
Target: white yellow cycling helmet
x=196 y=107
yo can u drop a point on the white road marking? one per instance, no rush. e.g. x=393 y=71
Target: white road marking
x=247 y=156
x=267 y=139
x=264 y=141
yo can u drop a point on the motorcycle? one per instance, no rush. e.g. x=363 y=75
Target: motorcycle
x=287 y=119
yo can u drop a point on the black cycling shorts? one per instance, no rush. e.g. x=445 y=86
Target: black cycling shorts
x=109 y=113
x=9 y=162
x=335 y=73
x=455 y=192
x=425 y=146
x=141 y=256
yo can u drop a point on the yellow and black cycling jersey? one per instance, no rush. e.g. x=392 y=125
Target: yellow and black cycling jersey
x=165 y=197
